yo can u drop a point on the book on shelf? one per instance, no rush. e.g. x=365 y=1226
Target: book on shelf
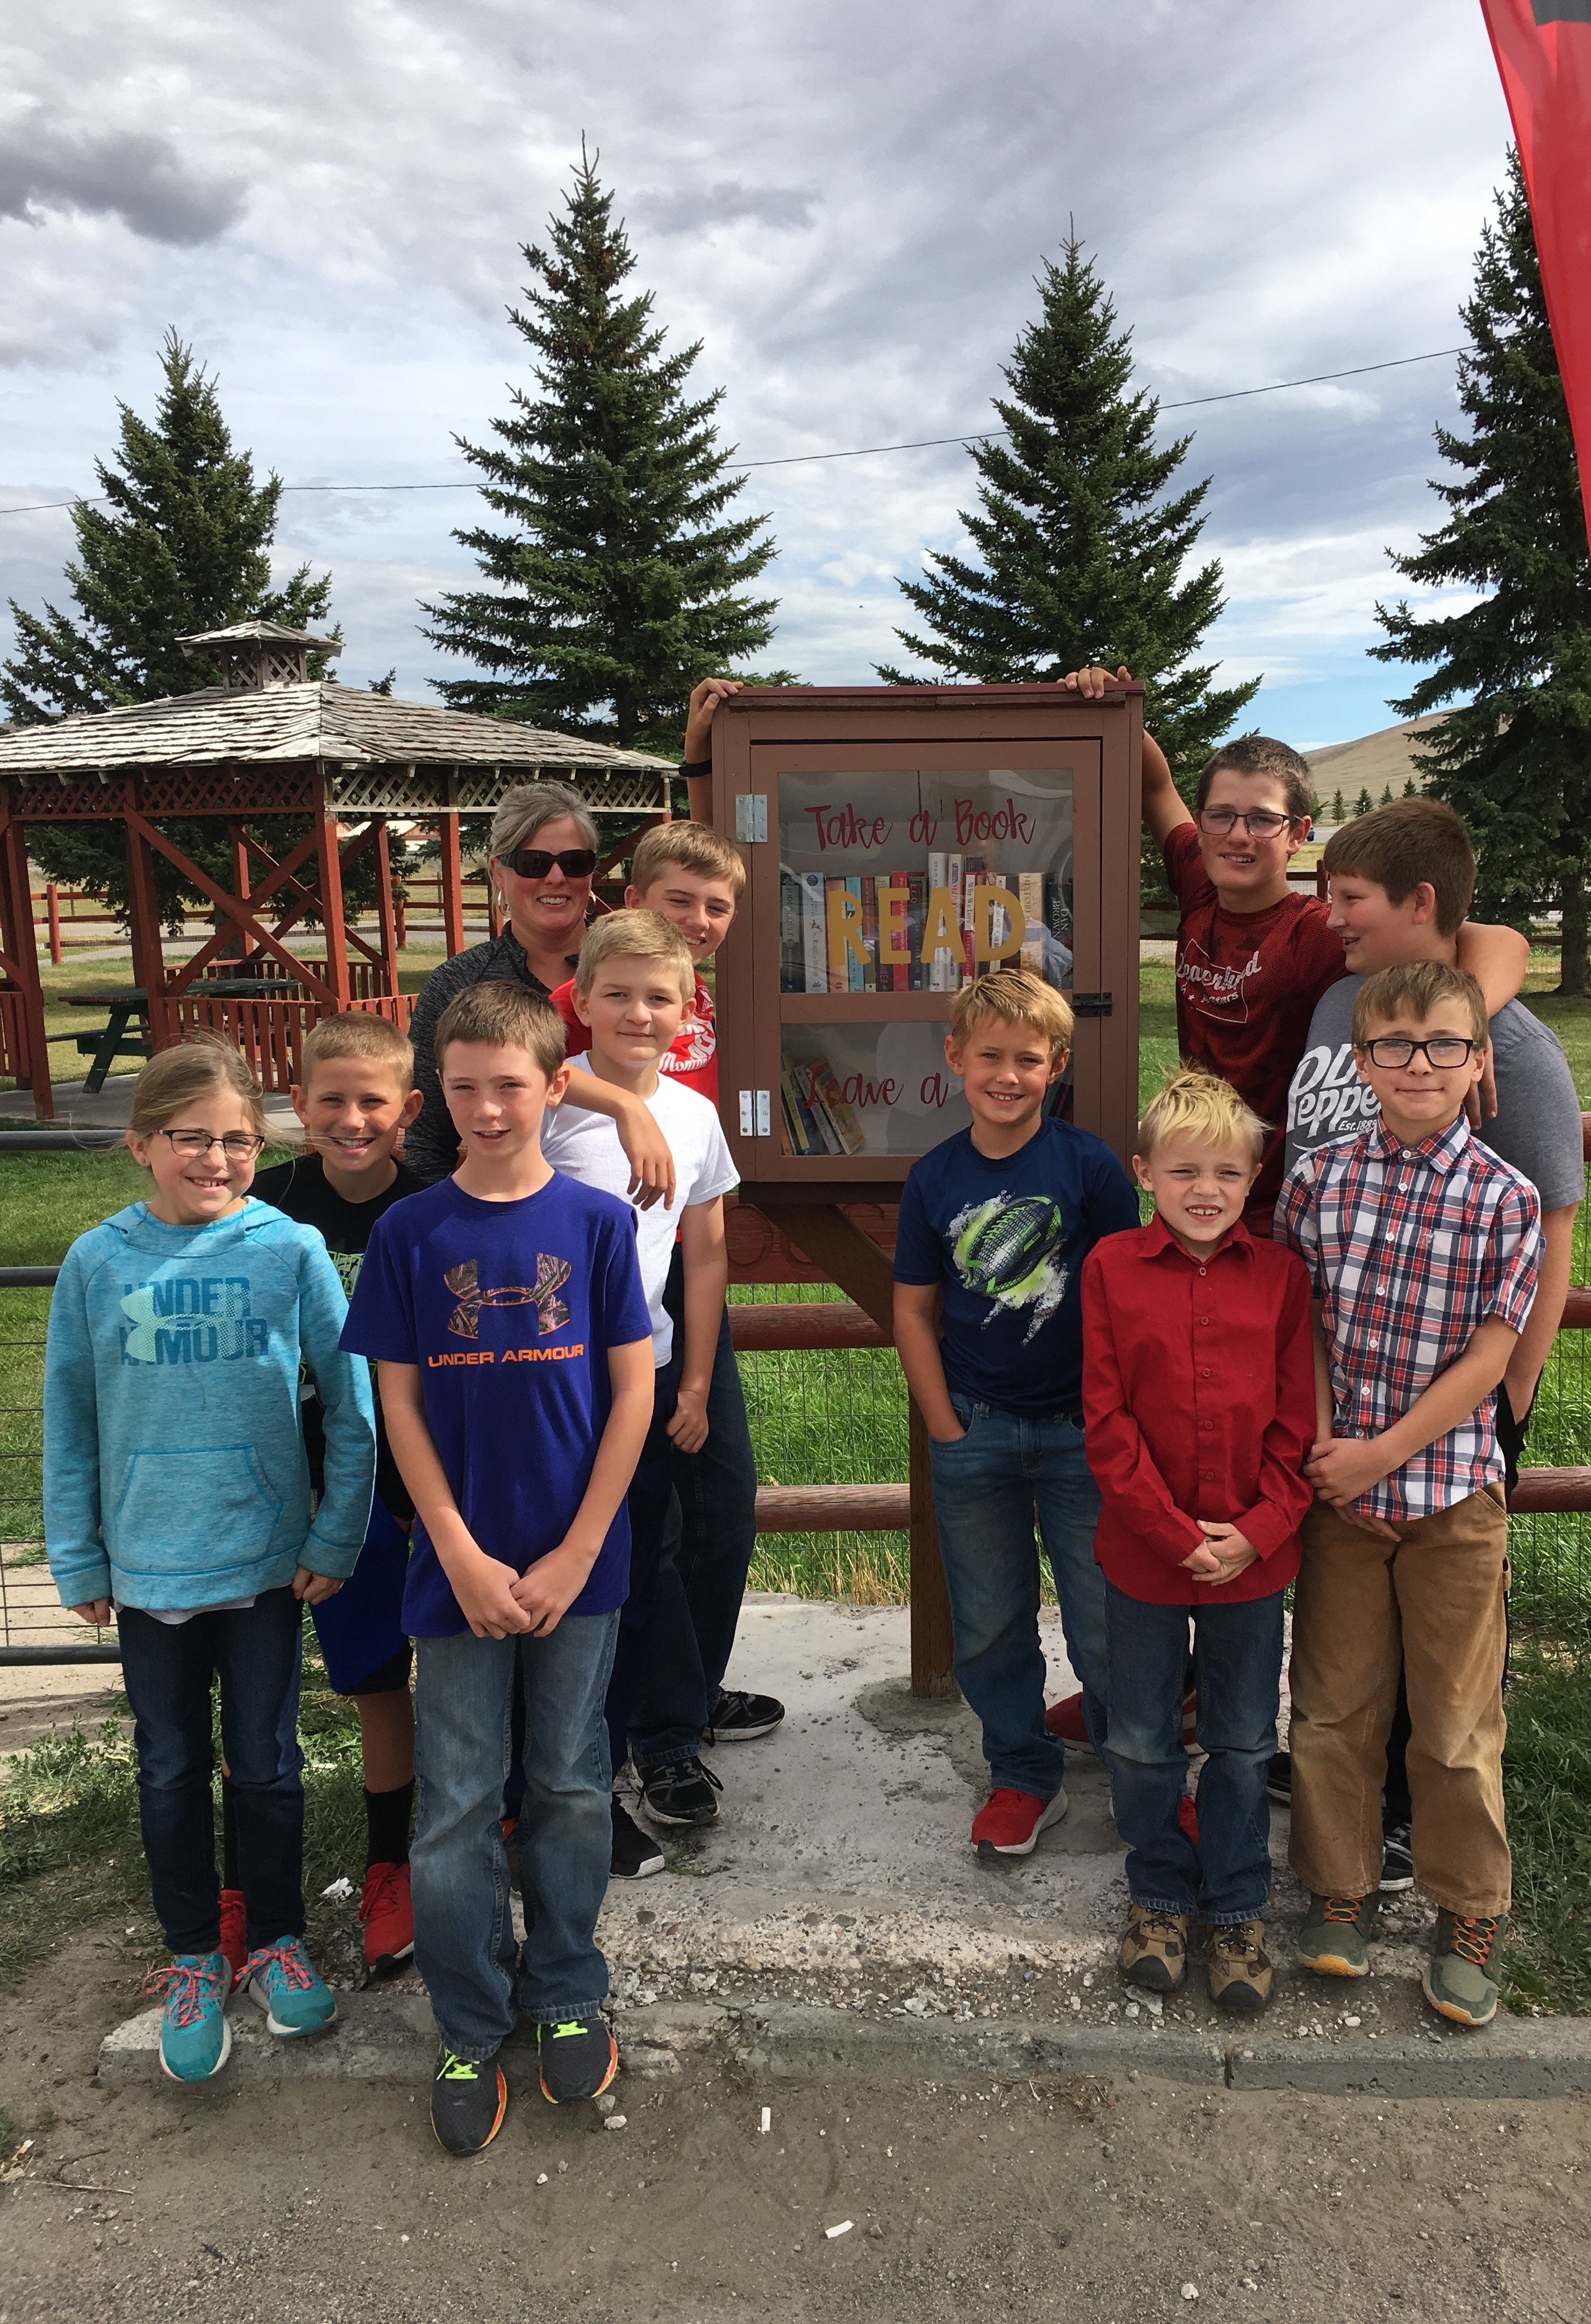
x=941 y=967
x=899 y=886
x=792 y=965
x=870 y=979
x=839 y=972
x=916 y=974
x=1030 y=895
x=854 y=969
x=798 y=1135
x=836 y=1107
x=956 y=882
x=973 y=874
x=815 y=934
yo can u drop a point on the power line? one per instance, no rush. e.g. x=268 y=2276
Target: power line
x=859 y=452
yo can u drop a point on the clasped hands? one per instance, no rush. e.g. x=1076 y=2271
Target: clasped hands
x=1222 y=1555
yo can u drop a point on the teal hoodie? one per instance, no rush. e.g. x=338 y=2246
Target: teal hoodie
x=174 y=1465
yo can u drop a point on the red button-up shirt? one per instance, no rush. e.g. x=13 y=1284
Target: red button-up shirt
x=1199 y=1393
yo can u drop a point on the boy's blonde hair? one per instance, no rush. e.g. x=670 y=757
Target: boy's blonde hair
x=1017 y=997
x=502 y=1016
x=358 y=1033
x=1196 y=1104
x=685 y=846
x=635 y=935
x=1413 y=988
x=176 y=1077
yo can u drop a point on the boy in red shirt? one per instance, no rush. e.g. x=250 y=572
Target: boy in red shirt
x=1198 y=1400
x=1254 y=955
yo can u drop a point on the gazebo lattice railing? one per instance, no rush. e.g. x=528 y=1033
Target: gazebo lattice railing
x=273 y=742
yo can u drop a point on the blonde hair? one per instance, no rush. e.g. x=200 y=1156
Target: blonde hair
x=502 y=1016
x=685 y=846
x=1017 y=997
x=193 y=1069
x=636 y=935
x=1196 y=1104
x=358 y=1033
x=1414 y=988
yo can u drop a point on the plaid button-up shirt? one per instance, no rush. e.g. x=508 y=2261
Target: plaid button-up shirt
x=1409 y=1250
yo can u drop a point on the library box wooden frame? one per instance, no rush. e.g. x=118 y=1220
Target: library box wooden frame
x=766 y=734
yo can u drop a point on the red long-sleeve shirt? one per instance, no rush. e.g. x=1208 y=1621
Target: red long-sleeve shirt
x=1199 y=1396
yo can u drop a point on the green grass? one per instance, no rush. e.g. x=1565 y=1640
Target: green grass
x=1547 y=1778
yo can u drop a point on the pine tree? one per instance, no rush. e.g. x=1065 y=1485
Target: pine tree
x=619 y=578
x=1083 y=552
x=1338 y=810
x=1364 y=803
x=184 y=545
x=1514 y=755
x=1386 y=796
x=1411 y=789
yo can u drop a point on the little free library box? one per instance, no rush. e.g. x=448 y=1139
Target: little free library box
x=900 y=842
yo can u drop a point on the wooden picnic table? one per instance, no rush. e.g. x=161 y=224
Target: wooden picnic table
x=125 y=1001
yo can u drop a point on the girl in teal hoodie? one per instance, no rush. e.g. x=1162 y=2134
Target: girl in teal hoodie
x=177 y=1495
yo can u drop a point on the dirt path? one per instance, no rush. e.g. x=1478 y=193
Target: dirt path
x=332 y=2203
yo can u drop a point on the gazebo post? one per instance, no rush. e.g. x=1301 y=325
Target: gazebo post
x=386 y=908
x=450 y=873
x=22 y=958
x=331 y=894
x=143 y=916
x=240 y=882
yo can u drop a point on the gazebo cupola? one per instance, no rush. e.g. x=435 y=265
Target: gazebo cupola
x=257 y=655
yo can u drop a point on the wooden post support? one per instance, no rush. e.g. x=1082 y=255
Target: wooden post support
x=451 y=877
x=386 y=906
x=21 y=949
x=854 y=1261
x=240 y=883
x=52 y=912
x=331 y=896
x=143 y=914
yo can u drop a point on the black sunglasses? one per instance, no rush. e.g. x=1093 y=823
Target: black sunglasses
x=536 y=862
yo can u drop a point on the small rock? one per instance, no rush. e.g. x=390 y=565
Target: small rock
x=616 y=2122
x=876 y=2232
x=843 y=2228
x=1131 y=2010
x=1189 y=2291
x=1350 y=2021
x=541 y=2178
x=606 y=2103
x=340 y=1890
x=562 y=2168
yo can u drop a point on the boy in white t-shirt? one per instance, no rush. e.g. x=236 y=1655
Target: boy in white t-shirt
x=633 y=987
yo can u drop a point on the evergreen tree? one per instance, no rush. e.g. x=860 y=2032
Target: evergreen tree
x=1386 y=796
x=183 y=545
x=1411 y=789
x=618 y=578
x=1513 y=755
x=1339 y=812
x=1083 y=553
x=1364 y=803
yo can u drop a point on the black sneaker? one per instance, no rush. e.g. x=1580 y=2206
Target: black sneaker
x=469 y=2098
x=635 y=1852
x=681 y=1791
x=1279 y=1779
x=578 y=2057
x=739 y=1718
x=1397 y=1860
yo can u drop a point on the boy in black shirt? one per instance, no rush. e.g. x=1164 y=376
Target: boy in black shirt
x=355 y=1099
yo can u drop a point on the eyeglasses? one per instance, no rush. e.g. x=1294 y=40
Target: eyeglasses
x=237 y=1145
x=1258 y=822
x=536 y=862
x=1443 y=1051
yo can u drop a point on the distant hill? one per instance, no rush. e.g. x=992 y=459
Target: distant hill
x=1371 y=764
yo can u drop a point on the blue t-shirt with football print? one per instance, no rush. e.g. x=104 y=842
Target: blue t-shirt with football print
x=509 y=1310
x=1007 y=1239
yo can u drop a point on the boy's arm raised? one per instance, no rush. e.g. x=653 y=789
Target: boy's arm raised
x=546 y=1590
x=484 y=1588
x=705 y=699
x=1165 y=806
x=646 y=1149
x=705 y=1256
x=917 y=1343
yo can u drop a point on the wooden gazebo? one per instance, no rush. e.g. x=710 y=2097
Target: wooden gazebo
x=272 y=741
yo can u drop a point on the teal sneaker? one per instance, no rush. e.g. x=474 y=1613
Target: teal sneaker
x=195 y=2037
x=1460 y=1978
x=280 y=1978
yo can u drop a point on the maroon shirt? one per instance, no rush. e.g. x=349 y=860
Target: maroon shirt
x=1246 y=987
x=1199 y=1398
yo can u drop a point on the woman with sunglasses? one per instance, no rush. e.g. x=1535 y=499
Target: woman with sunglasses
x=543 y=855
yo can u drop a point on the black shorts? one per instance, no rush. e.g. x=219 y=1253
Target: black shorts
x=391 y=1677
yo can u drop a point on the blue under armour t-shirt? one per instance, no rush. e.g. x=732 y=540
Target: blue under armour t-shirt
x=1008 y=1240
x=508 y=1309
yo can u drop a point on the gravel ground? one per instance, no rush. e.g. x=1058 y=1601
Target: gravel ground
x=1124 y=2201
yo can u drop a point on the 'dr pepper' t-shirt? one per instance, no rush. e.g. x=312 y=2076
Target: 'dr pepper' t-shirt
x=1246 y=987
x=1007 y=1239
x=509 y=1310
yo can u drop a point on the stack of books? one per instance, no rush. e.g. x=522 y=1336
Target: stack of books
x=815 y=1116
x=888 y=911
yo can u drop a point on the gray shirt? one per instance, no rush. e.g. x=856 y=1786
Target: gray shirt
x=1536 y=1126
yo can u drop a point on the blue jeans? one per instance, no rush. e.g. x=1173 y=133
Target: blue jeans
x=695 y=1621
x=1237 y=1673
x=987 y=1485
x=464 y=1940
x=169 y=1671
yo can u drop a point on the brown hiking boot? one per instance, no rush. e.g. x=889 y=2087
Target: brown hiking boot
x=1239 y=1967
x=1155 y=1949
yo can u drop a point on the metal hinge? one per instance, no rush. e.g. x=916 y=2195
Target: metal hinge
x=1091 y=1004
x=755 y=1114
x=752 y=817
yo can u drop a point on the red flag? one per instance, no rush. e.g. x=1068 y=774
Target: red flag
x=1543 y=53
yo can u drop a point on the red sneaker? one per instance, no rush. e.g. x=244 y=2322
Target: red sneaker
x=235 y=1938
x=1188 y=1817
x=1065 y=1720
x=387 y=1914
x=1009 y=1822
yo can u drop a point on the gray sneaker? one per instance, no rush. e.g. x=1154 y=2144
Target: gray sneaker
x=1460 y=1979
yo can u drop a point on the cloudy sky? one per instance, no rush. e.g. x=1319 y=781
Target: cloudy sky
x=846 y=201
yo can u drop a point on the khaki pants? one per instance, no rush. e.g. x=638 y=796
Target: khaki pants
x=1432 y=1600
